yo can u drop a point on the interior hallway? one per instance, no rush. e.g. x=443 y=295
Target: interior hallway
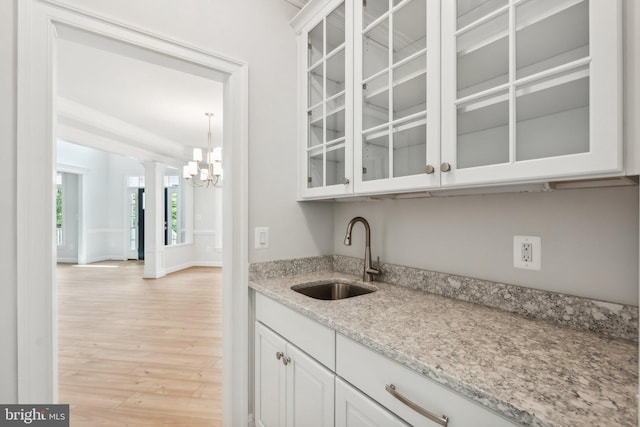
x=135 y=352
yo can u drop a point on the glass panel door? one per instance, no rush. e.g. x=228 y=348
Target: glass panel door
x=522 y=81
x=394 y=89
x=326 y=101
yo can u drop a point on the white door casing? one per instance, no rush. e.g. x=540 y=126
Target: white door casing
x=36 y=130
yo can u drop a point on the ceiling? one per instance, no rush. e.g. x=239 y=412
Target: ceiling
x=135 y=97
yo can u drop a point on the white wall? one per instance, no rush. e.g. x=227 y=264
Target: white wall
x=257 y=32
x=8 y=285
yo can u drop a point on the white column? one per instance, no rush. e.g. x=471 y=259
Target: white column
x=153 y=220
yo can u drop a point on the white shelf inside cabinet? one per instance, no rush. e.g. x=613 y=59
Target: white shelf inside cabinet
x=317 y=122
x=546 y=42
x=398 y=143
x=470 y=11
x=571 y=12
x=530 y=85
x=335 y=27
x=416 y=88
x=335 y=67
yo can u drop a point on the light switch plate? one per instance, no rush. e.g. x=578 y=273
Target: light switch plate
x=261 y=238
x=527 y=252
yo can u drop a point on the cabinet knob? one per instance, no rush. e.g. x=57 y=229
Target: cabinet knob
x=286 y=360
x=429 y=170
x=279 y=355
x=345 y=181
x=445 y=167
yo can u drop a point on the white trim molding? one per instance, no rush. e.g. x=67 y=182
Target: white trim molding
x=36 y=163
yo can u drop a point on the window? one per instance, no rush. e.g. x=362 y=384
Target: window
x=133 y=221
x=173 y=214
x=59 y=212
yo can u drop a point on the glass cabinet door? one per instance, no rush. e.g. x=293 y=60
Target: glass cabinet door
x=518 y=98
x=396 y=94
x=328 y=149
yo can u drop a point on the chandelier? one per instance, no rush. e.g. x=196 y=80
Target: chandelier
x=201 y=173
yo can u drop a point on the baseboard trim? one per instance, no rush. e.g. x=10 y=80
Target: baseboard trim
x=186 y=265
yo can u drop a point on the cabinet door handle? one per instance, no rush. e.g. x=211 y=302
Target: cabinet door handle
x=279 y=355
x=345 y=181
x=445 y=167
x=286 y=360
x=429 y=169
x=443 y=420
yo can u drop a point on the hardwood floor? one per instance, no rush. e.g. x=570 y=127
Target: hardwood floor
x=135 y=352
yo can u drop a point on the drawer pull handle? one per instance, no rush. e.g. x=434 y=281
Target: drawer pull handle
x=443 y=420
x=279 y=355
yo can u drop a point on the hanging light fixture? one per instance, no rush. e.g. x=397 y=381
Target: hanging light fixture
x=205 y=173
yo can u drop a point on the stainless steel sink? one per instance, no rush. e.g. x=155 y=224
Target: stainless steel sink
x=332 y=289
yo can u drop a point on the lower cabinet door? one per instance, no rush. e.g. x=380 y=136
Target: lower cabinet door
x=354 y=409
x=310 y=391
x=270 y=387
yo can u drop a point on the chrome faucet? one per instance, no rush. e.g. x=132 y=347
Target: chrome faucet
x=369 y=272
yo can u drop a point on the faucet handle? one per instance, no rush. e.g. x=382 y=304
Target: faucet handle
x=376 y=270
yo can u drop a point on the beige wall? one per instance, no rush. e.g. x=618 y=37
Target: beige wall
x=589 y=238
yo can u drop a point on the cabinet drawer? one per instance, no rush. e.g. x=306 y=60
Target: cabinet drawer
x=313 y=338
x=371 y=372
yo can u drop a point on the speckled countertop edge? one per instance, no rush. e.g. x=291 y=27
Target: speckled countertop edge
x=530 y=371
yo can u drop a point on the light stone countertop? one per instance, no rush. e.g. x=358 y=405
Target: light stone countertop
x=531 y=371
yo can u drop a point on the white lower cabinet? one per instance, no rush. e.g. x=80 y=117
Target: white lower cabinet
x=411 y=396
x=292 y=389
x=307 y=375
x=354 y=409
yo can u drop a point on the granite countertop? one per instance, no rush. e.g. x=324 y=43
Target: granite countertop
x=533 y=372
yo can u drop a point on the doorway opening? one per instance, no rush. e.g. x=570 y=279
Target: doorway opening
x=160 y=237
x=41 y=27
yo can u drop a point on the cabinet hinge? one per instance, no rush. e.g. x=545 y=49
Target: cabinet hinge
x=309 y=113
x=364 y=86
x=364 y=171
x=309 y=179
x=364 y=3
x=309 y=46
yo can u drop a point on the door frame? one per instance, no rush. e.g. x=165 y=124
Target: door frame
x=36 y=165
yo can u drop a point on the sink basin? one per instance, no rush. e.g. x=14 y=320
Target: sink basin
x=332 y=289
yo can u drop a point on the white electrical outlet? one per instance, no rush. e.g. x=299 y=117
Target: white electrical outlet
x=527 y=252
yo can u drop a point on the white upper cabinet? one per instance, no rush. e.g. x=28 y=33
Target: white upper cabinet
x=397 y=102
x=530 y=90
x=408 y=95
x=325 y=50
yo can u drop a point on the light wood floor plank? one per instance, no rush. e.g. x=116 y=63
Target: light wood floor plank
x=136 y=352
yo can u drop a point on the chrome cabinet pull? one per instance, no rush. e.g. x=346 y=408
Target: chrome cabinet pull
x=443 y=420
x=429 y=169
x=445 y=167
x=279 y=355
x=286 y=360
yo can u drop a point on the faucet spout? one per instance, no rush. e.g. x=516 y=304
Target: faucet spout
x=369 y=271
